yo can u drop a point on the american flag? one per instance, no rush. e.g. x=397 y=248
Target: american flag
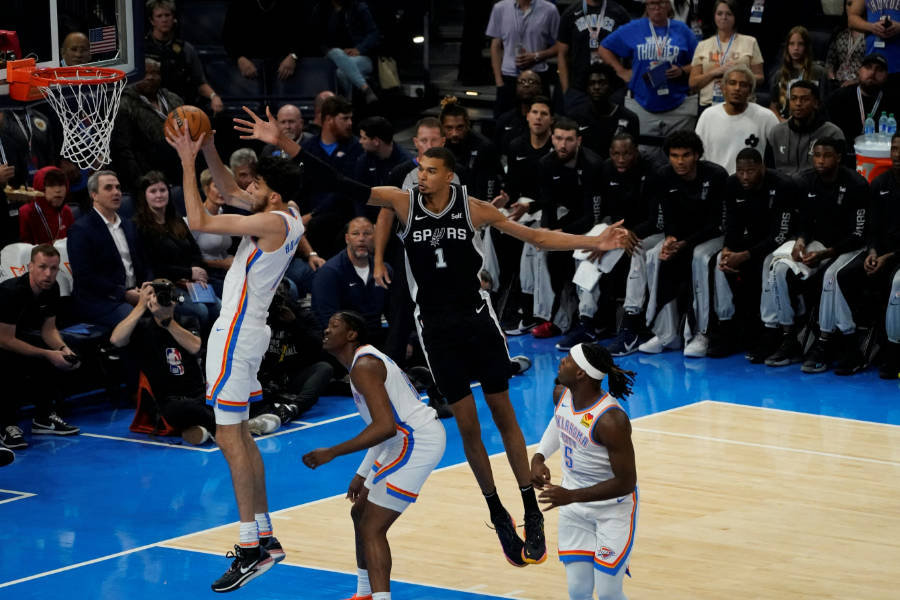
x=103 y=39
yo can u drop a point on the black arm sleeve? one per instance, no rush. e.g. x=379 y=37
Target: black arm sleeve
x=319 y=176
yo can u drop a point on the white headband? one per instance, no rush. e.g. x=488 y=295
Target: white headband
x=578 y=356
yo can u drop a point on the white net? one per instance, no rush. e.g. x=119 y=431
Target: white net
x=88 y=114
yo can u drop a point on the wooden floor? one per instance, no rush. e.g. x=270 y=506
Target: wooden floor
x=736 y=503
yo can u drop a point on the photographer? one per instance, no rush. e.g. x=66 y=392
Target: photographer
x=167 y=354
x=28 y=307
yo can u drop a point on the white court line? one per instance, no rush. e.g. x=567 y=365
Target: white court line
x=707 y=438
x=18 y=495
x=798 y=412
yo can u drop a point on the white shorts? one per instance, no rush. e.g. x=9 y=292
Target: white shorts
x=233 y=356
x=403 y=466
x=602 y=535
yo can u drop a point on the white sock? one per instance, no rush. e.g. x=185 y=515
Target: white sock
x=362 y=582
x=264 y=524
x=249 y=534
x=381 y=596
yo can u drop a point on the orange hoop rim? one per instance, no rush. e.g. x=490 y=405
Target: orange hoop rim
x=47 y=76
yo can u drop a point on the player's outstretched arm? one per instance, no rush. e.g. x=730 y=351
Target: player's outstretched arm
x=265 y=131
x=614 y=236
x=368 y=376
x=225 y=183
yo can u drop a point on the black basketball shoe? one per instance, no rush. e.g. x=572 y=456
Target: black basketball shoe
x=248 y=564
x=273 y=547
x=535 y=549
x=509 y=540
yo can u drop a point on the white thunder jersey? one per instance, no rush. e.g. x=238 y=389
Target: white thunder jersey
x=410 y=412
x=584 y=462
x=254 y=275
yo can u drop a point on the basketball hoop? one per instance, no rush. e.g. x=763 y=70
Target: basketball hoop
x=86 y=99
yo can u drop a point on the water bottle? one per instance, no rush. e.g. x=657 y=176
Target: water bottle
x=891 y=126
x=869 y=130
x=882 y=126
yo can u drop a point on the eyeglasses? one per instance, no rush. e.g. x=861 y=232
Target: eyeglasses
x=528 y=82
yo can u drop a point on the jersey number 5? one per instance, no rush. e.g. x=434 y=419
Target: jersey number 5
x=567 y=456
x=439 y=254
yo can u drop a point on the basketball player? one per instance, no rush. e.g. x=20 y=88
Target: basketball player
x=240 y=337
x=456 y=323
x=404 y=439
x=598 y=493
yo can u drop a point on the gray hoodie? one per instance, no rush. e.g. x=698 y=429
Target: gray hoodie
x=791 y=144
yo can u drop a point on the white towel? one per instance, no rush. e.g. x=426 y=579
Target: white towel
x=783 y=254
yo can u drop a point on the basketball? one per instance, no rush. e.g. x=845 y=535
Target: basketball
x=196 y=119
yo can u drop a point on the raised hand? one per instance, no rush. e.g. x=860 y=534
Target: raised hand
x=186 y=147
x=257 y=129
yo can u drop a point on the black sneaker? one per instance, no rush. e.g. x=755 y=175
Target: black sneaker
x=273 y=547
x=52 y=425
x=788 y=352
x=11 y=436
x=852 y=359
x=285 y=412
x=535 y=550
x=248 y=564
x=816 y=360
x=522 y=327
x=767 y=344
x=7 y=456
x=626 y=343
x=512 y=544
x=519 y=364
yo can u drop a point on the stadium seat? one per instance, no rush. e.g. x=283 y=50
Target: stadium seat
x=202 y=25
x=64 y=278
x=311 y=77
x=14 y=259
x=228 y=82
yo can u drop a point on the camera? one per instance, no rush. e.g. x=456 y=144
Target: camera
x=165 y=292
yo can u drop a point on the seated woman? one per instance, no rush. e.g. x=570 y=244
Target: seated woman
x=796 y=64
x=717 y=53
x=171 y=250
x=214 y=247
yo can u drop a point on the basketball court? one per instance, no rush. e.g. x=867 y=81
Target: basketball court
x=755 y=483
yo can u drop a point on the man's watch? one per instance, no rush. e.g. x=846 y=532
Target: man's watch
x=294 y=56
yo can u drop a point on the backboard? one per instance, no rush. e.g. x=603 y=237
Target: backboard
x=111 y=30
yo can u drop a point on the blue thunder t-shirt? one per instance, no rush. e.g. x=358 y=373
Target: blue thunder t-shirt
x=635 y=42
x=876 y=10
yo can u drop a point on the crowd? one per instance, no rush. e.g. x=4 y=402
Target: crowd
x=728 y=156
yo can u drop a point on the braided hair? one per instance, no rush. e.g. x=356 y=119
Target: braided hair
x=355 y=322
x=619 y=380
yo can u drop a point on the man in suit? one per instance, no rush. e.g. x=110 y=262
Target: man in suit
x=106 y=257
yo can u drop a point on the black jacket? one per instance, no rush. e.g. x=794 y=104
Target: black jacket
x=834 y=213
x=572 y=188
x=762 y=219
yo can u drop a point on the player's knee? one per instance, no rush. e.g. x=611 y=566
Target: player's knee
x=580 y=588
x=608 y=587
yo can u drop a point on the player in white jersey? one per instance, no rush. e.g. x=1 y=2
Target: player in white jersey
x=598 y=494
x=405 y=441
x=240 y=336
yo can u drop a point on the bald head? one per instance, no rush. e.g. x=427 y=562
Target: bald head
x=321 y=97
x=290 y=121
x=76 y=49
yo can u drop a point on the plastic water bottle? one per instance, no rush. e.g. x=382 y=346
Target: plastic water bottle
x=869 y=130
x=891 y=125
x=882 y=126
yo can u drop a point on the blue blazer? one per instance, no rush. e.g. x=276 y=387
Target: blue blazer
x=97 y=269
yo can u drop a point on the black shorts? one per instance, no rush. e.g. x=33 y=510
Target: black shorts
x=462 y=346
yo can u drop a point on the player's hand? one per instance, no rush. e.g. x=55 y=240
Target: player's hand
x=264 y=131
x=246 y=67
x=315 y=262
x=614 y=236
x=357 y=488
x=318 y=457
x=553 y=496
x=380 y=274
x=501 y=200
x=351 y=51
x=798 y=251
x=286 y=68
x=186 y=147
x=517 y=209
x=540 y=474
x=877 y=263
x=812 y=259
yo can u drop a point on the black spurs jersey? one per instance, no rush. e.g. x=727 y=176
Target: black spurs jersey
x=442 y=259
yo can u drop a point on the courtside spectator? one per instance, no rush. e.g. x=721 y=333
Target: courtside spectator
x=347 y=36
x=791 y=142
x=32 y=351
x=601 y=120
x=880 y=21
x=243 y=165
x=214 y=247
x=797 y=64
x=47 y=218
x=481 y=169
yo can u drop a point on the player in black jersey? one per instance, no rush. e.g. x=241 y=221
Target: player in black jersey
x=456 y=322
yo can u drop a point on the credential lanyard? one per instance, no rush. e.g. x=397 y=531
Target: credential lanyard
x=659 y=43
x=722 y=56
x=40 y=212
x=26 y=131
x=862 y=110
x=594 y=32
